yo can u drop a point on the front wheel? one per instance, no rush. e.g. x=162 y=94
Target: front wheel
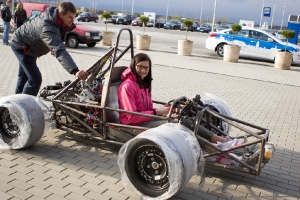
x=21 y=121
x=92 y=44
x=220 y=50
x=147 y=168
x=73 y=41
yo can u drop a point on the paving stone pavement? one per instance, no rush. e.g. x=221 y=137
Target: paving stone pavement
x=65 y=165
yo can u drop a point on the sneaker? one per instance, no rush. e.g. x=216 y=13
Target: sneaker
x=229 y=143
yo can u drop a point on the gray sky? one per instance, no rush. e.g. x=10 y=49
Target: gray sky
x=233 y=10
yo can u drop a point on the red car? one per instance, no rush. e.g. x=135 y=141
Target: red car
x=136 y=22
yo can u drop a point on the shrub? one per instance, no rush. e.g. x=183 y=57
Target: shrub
x=236 y=27
x=144 y=19
x=106 y=16
x=288 y=34
x=188 y=23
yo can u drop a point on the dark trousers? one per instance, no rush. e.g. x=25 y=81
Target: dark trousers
x=29 y=76
x=19 y=24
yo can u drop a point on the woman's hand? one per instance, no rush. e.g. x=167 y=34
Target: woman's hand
x=162 y=110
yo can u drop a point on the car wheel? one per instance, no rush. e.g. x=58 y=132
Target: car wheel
x=149 y=174
x=220 y=50
x=92 y=44
x=21 y=121
x=86 y=20
x=73 y=41
x=96 y=20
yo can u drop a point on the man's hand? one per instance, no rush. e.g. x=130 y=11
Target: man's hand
x=162 y=111
x=82 y=74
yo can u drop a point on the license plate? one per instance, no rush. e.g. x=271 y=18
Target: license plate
x=96 y=37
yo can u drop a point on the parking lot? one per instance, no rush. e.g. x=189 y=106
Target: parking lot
x=65 y=165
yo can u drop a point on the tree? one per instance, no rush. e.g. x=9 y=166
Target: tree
x=144 y=19
x=188 y=23
x=106 y=16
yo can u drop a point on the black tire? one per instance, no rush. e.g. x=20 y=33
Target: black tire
x=86 y=20
x=22 y=121
x=220 y=50
x=96 y=20
x=72 y=41
x=92 y=44
x=136 y=153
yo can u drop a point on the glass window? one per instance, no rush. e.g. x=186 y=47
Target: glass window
x=35 y=12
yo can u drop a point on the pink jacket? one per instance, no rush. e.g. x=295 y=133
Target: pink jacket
x=133 y=98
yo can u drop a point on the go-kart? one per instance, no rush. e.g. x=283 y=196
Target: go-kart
x=157 y=161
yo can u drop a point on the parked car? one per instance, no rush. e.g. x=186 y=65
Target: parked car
x=111 y=20
x=253 y=42
x=204 y=28
x=136 y=22
x=87 y=17
x=160 y=23
x=223 y=27
x=192 y=28
x=80 y=35
x=120 y=20
x=152 y=23
x=172 y=24
x=128 y=19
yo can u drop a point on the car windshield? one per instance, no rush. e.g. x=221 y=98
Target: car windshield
x=84 y=13
x=205 y=25
x=114 y=16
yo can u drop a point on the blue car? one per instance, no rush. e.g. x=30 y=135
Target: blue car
x=253 y=42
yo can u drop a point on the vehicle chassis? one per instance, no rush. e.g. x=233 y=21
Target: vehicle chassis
x=80 y=118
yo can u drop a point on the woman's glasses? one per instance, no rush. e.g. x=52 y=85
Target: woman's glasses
x=141 y=67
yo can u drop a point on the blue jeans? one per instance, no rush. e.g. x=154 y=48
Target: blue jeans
x=29 y=76
x=6 y=32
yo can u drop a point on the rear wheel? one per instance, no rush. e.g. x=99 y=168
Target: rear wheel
x=220 y=50
x=92 y=44
x=147 y=168
x=73 y=41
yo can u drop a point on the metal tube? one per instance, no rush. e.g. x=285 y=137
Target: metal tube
x=167 y=11
x=284 y=4
x=214 y=16
x=262 y=10
x=201 y=13
x=273 y=15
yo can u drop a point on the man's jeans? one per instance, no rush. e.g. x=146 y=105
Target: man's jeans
x=29 y=76
x=6 y=32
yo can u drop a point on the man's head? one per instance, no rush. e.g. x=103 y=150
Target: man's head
x=8 y=3
x=67 y=13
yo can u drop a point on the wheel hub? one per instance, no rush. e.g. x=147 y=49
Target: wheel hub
x=11 y=130
x=151 y=166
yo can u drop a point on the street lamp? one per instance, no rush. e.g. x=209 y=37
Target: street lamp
x=167 y=11
x=262 y=10
x=284 y=4
x=201 y=12
x=213 y=25
x=122 y=6
x=132 y=7
x=273 y=15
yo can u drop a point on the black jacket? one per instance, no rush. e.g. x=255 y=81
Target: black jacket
x=20 y=17
x=6 y=14
x=43 y=34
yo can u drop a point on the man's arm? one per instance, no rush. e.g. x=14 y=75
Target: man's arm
x=57 y=47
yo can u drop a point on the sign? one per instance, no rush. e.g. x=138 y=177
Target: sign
x=151 y=15
x=267 y=11
x=82 y=8
x=247 y=23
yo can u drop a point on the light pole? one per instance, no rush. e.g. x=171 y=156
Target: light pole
x=122 y=6
x=273 y=15
x=167 y=11
x=284 y=4
x=262 y=10
x=132 y=7
x=214 y=16
x=201 y=13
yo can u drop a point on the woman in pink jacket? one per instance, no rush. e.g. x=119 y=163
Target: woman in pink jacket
x=135 y=94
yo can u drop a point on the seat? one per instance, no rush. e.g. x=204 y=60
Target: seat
x=112 y=95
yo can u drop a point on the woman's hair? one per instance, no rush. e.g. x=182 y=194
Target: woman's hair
x=146 y=82
x=18 y=9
